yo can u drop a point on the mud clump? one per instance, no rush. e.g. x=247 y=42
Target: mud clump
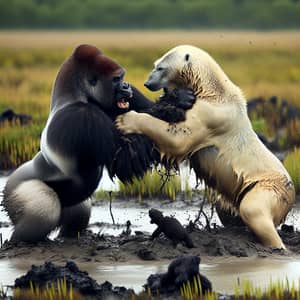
x=49 y=273
x=180 y=271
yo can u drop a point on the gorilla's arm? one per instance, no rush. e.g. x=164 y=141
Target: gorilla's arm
x=79 y=136
x=78 y=142
x=139 y=102
x=170 y=107
x=137 y=153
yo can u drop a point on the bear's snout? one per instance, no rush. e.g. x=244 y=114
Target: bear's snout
x=152 y=86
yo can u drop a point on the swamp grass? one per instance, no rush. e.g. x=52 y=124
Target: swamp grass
x=59 y=291
x=292 y=164
x=243 y=290
x=156 y=183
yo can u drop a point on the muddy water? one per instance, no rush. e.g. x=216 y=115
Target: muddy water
x=222 y=271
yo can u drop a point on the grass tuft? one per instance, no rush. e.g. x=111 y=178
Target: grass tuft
x=292 y=164
x=245 y=290
x=59 y=291
x=154 y=184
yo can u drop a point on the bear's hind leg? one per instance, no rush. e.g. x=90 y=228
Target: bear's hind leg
x=34 y=209
x=256 y=210
x=75 y=219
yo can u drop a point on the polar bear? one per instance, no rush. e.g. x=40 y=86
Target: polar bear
x=218 y=138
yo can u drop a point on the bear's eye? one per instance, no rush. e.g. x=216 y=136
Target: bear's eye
x=187 y=57
x=93 y=81
x=160 y=69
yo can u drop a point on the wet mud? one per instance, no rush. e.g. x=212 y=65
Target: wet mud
x=96 y=247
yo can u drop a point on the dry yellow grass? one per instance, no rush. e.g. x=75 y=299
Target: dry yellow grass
x=261 y=63
x=159 y=39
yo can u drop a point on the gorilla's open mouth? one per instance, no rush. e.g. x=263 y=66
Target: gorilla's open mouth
x=123 y=103
x=123 y=95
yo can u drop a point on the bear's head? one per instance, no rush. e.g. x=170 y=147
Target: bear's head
x=189 y=67
x=91 y=77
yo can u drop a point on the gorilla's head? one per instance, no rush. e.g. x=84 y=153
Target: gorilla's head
x=91 y=77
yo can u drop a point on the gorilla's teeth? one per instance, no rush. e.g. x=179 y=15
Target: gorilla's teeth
x=123 y=104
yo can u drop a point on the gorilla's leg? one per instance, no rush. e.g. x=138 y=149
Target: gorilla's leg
x=75 y=218
x=262 y=210
x=34 y=209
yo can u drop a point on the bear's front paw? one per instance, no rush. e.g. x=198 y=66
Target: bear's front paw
x=127 y=123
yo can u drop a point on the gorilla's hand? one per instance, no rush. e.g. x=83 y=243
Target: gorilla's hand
x=181 y=98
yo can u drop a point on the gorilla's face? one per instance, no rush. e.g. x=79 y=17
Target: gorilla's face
x=100 y=79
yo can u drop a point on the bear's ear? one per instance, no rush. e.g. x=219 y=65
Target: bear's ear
x=86 y=52
x=187 y=57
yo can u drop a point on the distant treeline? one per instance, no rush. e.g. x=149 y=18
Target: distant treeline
x=149 y=14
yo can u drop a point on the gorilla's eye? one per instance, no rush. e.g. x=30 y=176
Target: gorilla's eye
x=93 y=81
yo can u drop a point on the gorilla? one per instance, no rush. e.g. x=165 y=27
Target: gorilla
x=80 y=139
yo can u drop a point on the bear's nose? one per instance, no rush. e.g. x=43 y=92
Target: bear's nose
x=147 y=84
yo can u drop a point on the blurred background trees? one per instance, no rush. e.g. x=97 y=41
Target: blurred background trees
x=149 y=14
